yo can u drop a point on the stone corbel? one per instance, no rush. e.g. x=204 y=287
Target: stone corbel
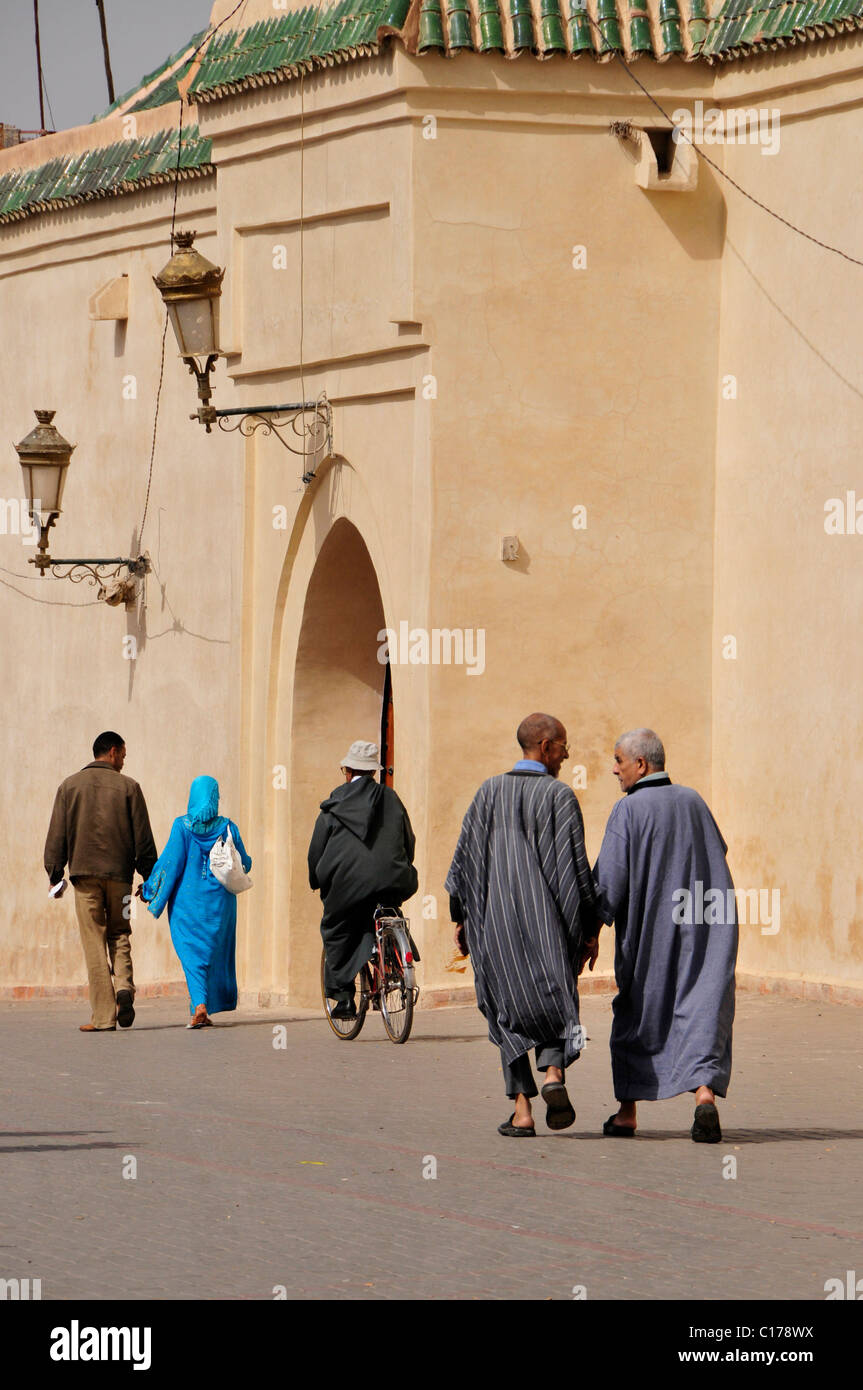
x=112 y=300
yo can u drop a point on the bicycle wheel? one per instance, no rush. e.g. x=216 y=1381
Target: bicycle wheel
x=397 y=996
x=346 y=1028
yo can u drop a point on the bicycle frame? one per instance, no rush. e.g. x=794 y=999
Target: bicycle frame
x=386 y=983
x=394 y=922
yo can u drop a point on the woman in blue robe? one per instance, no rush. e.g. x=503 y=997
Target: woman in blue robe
x=202 y=914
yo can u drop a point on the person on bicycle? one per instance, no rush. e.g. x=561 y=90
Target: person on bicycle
x=361 y=854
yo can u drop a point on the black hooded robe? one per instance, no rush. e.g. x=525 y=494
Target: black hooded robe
x=361 y=854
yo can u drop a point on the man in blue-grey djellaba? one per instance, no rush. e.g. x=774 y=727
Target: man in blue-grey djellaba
x=662 y=879
x=524 y=905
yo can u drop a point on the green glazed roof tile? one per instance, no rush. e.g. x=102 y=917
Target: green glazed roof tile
x=522 y=24
x=669 y=20
x=553 y=37
x=431 y=26
x=458 y=19
x=490 y=27
x=750 y=25
x=787 y=23
x=101 y=173
x=806 y=13
x=395 y=14
x=770 y=15
x=606 y=16
x=640 y=40
x=579 y=27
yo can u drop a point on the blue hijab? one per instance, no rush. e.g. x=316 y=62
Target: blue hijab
x=202 y=816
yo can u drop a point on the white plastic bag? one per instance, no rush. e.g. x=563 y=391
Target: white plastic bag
x=226 y=866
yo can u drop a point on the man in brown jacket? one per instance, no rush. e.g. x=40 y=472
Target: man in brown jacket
x=101 y=828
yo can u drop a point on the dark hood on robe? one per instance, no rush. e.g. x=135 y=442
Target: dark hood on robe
x=362 y=847
x=355 y=805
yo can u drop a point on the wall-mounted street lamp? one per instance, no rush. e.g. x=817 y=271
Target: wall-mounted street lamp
x=191 y=287
x=45 y=457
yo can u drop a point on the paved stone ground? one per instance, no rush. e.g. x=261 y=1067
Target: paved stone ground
x=303 y=1167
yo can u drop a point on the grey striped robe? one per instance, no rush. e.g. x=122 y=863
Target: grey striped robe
x=522 y=878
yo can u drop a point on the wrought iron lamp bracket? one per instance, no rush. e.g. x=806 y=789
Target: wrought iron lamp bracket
x=313 y=436
x=97 y=573
x=308 y=423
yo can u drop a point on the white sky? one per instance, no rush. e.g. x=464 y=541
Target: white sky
x=141 y=34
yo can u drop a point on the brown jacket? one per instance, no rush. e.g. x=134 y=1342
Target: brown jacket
x=100 y=827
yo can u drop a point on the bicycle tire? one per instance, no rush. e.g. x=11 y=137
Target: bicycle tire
x=398 y=1021
x=346 y=1029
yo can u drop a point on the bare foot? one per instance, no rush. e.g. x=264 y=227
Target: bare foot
x=625 y=1117
x=523 y=1116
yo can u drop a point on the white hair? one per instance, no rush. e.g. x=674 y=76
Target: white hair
x=644 y=743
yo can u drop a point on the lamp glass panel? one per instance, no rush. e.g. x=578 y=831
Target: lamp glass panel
x=43 y=483
x=195 y=323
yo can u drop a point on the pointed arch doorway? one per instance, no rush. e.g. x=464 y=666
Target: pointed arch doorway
x=341 y=692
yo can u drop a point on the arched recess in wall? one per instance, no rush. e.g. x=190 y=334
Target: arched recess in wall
x=325 y=689
x=337 y=693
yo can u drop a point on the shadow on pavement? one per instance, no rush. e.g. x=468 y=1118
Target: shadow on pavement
x=446 y=1038
x=49 y=1133
x=217 y=1024
x=729 y=1136
x=58 y=1148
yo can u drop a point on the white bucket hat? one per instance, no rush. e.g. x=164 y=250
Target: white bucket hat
x=362 y=757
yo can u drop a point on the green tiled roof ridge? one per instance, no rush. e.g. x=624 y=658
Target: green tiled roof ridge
x=147 y=102
x=279 y=48
x=282 y=46
x=123 y=167
x=168 y=90
x=301 y=39
x=742 y=27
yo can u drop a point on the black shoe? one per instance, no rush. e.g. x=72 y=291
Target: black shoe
x=559 y=1112
x=511 y=1131
x=125 y=1011
x=345 y=1008
x=706 y=1129
x=610 y=1129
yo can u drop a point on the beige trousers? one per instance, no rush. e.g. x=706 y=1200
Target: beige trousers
x=105 y=932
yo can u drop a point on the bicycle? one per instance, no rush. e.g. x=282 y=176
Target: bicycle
x=386 y=983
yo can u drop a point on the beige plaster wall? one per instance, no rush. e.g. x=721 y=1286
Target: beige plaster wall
x=557 y=388
x=65 y=675
x=787 y=723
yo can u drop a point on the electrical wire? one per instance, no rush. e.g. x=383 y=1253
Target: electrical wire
x=48 y=104
x=31 y=578
x=241 y=4
x=836 y=251
x=52 y=603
